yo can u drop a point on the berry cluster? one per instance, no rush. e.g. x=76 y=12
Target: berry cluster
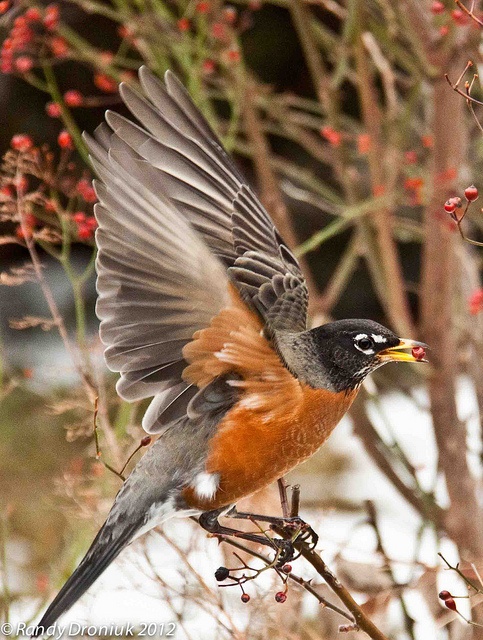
x=30 y=173
x=32 y=30
x=223 y=573
x=223 y=27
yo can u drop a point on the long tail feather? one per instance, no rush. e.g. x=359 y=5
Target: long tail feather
x=102 y=552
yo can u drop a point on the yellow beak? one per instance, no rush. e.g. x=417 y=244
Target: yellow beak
x=397 y=353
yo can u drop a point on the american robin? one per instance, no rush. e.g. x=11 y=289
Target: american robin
x=204 y=308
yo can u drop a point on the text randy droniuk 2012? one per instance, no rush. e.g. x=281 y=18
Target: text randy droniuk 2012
x=75 y=629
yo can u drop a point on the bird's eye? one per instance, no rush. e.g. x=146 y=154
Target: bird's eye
x=365 y=343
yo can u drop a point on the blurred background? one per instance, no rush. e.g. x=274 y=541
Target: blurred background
x=339 y=113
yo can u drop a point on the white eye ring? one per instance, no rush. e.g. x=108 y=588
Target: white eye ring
x=365 y=344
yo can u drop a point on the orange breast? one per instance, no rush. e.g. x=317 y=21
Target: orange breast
x=254 y=447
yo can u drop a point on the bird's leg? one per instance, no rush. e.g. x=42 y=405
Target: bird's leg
x=284 y=548
x=290 y=524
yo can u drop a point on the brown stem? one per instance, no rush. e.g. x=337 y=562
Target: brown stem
x=438 y=284
x=395 y=301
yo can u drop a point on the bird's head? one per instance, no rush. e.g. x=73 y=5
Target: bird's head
x=340 y=354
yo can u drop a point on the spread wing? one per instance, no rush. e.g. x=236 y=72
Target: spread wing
x=203 y=183
x=177 y=223
x=158 y=283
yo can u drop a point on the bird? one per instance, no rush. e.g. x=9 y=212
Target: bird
x=203 y=308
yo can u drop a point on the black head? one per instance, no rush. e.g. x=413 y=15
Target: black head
x=339 y=355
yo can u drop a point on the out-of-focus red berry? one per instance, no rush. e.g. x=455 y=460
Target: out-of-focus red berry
x=475 y=305
x=105 y=83
x=73 y=98
x=24 y=233
x=333 y=137
x=21 y=142
x=84 y=232
x=443 y=30
x=64 y=140
x=33 y=14
x=91 y=222
x=230 y=15
x=202 y=7
x=459 y=17
x=451 y=604
x=233 y=55
x=427 y=141
x=437 y=7
x=4 y=5
x=79 y=217
x=280 y=596
x=183 y=24
x=53 y=109
x=6 y=191
x=51 y=16
x=208 y=66
x=106 y=57
x=59 y=46
x=86 y=190
x=245 y=598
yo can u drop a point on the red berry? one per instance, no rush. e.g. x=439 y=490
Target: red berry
x=202 y=7
x=418 y=353
x=230 y=14
x=459 y=17
x=444 y=595
x=287 y=568
x=105 y=83
x=84 y=232
x=332 y=136
x=33 y=14
x=86 y=190
x=280 y=596
x=449 y=206
x=106 y=57
x=208 y=66
x=183 y=24
x=92 y=223
x=79 y=217
x=24 y=64
x=437 y=7
x=451 y=604
x=59 y=46
x=73 y=98
x=233 y=55
x=21 y=234
x=53 y=109
x=4 y=5
x=145 y=441
x=64 y=140
x=471 y=193
x=21 y=142
x=245 y=598
x=51 y=17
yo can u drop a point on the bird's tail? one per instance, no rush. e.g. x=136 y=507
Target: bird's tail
x=102 y=552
